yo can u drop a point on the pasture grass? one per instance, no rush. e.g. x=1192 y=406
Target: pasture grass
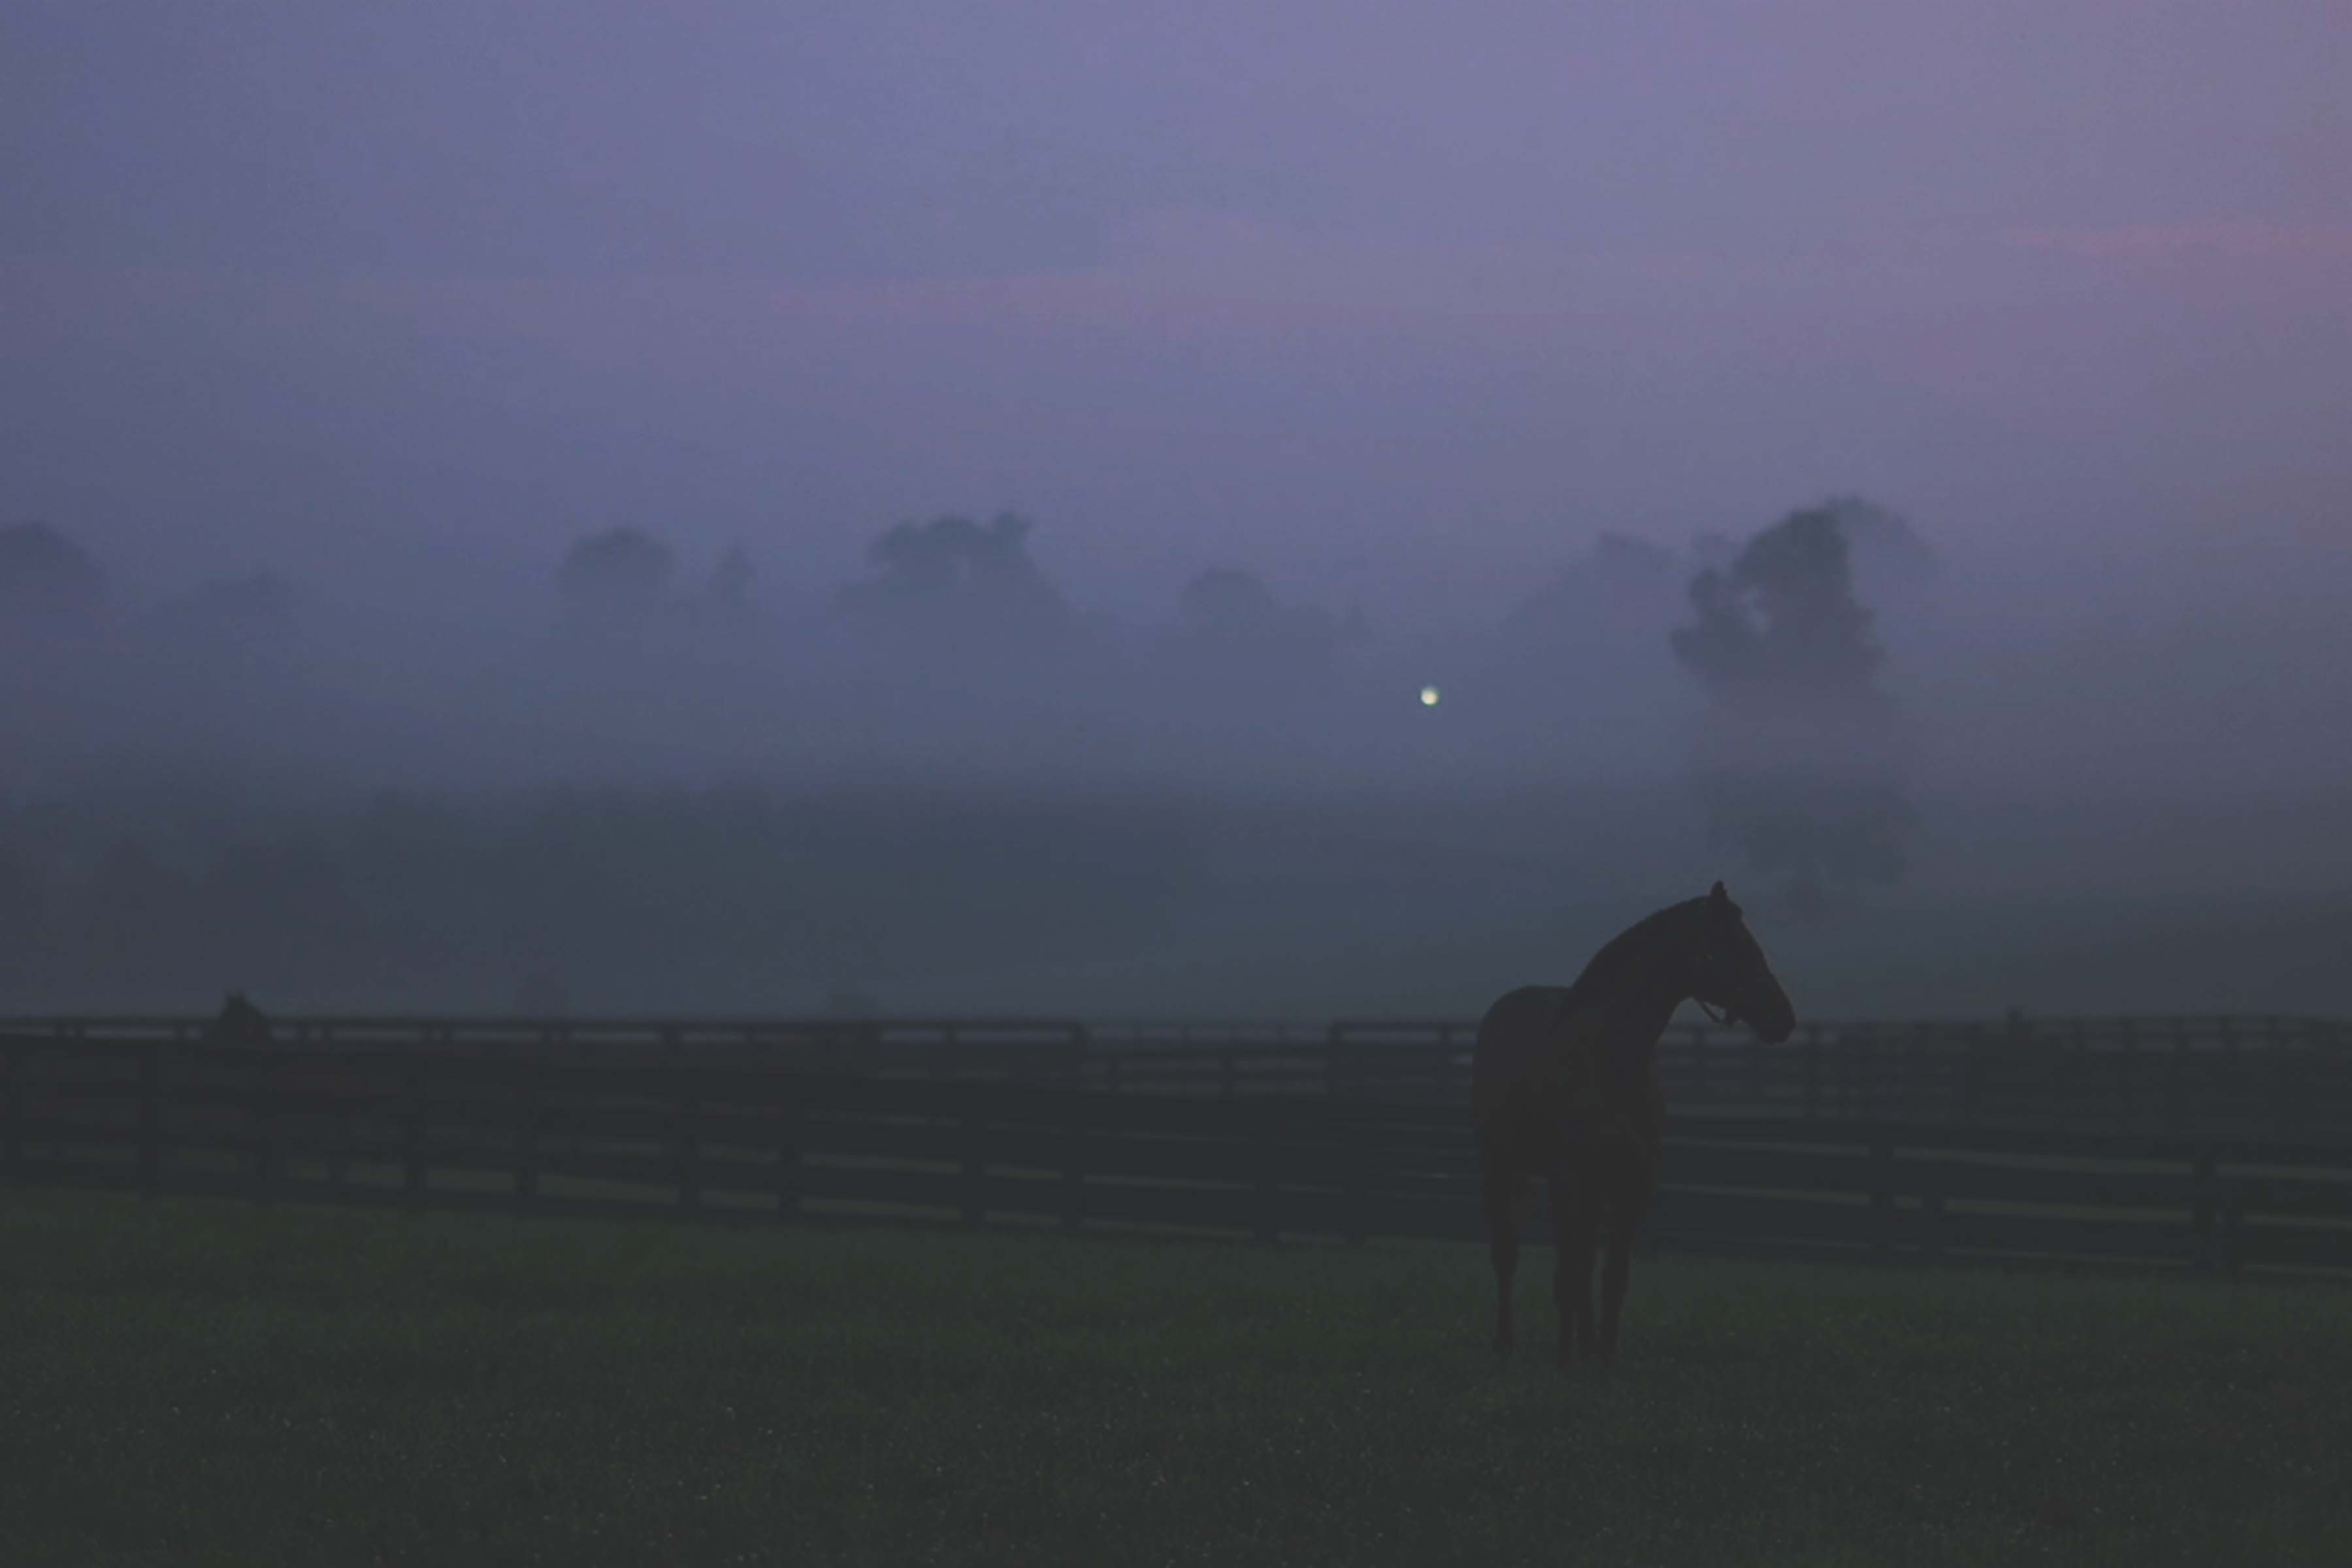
x=189 y=1382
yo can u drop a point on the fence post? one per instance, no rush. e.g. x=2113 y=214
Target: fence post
x=413 y=1133
x=527 y=1131
x=1268 y=1224
x=687 y=1132
x=2176 y=1068
x=2233 y=1228
x=2287 y=1095
x=975 y=1169
x=2231 y=1067
x=1931 y=1211
x=1074 y=1163
x=1356 y=1197
x=2127 y=1078
x=263 y=1078
x=151 y=1136
x=790 y=1115
x=1881 y=1195
x=2202 y=1169
x=2082 y=1099
x=339 y=1154
x=1973 y=1065
x=15 y=1060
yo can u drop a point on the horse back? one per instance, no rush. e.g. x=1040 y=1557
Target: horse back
x=1519 y=1039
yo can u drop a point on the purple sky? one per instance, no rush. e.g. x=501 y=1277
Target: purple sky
x=1394 y=302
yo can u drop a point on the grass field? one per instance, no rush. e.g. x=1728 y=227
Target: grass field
x=190 y=1383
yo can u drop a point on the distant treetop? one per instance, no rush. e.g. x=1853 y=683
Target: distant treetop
x=1800 y=767
x=959 y=579
x=1231 y=615
x=949 y=552
x=1783 y=616
x=1888 y=555
x=1623 y=588
x=620 y=571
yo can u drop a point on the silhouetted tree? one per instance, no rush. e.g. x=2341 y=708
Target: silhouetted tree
x=925 y=561
x=1230 y=616
x=1782 y=625
x=1579 y=665
x=1889 y=561
x=1619 y=595
x=618 y=576
x=1713 y=547
x=1226 y=602
x=954 y=582
x=1799 y=769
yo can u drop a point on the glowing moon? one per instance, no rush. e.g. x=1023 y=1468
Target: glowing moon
x=1428 y=697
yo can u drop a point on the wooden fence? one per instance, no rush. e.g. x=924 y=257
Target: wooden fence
x=2280 y=1077
x=540 y=1134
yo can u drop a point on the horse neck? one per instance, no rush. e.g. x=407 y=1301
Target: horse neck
x=1647 y=987
x=1639 y=1019
x=1649 y=1016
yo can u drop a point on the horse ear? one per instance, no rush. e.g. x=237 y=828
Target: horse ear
x=1718 y=896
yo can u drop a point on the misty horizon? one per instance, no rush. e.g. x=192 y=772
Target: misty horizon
x=1329 y=354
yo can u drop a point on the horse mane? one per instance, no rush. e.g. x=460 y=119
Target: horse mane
x=1628 y=952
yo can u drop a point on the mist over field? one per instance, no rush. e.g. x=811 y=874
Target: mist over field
x=554 y=510
x=973 y=795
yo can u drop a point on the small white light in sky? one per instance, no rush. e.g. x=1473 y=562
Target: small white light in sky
x=1428 y=697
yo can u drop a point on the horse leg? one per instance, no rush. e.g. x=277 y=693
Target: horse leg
x=1572 y=1220
x=1503 y=1243
x=1623 y=1220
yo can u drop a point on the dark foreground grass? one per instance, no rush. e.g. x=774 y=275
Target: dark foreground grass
x=184 y=1383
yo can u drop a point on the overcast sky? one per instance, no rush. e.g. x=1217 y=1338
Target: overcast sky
x=1394 y=302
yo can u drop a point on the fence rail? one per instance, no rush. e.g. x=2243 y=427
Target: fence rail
x=2285 y=1076
x=768 y=1143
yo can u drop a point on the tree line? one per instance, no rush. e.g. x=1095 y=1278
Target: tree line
x=1797 y=756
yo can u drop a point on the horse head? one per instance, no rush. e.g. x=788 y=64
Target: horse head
x=1730 y=974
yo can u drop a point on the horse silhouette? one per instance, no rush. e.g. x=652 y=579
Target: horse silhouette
x=1564 y=1086
x=238 y=1023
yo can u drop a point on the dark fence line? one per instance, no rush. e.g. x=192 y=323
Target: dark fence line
x=767 y=1144
x=2284 y=1076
